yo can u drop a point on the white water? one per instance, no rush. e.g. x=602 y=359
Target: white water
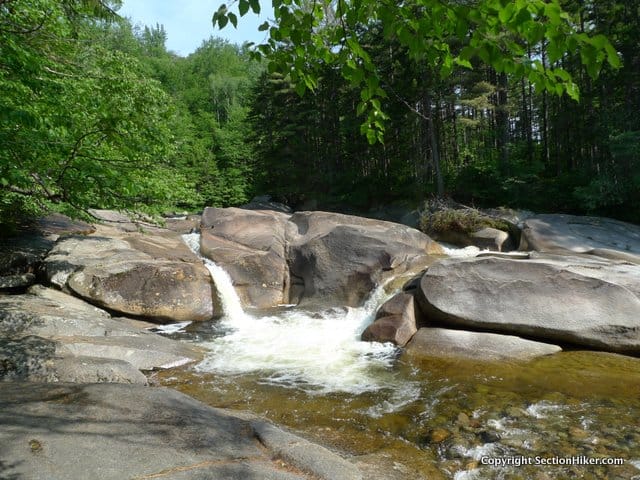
x=465 y=252
x=318 y=352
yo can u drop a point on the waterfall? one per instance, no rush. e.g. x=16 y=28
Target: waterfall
x=229 y=300
x=316 y=351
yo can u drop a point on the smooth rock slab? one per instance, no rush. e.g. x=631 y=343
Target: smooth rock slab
x=440 y=342
x=111 y=432
x=44 y=330
x=164 y=291
x=561 y=300
x=313 y=258
x=96 y=370
x=576 y=234
x=146 y=351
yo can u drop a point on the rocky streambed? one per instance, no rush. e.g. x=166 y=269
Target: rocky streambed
x=476 y=358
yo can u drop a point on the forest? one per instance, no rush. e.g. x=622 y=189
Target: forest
x=96 y=112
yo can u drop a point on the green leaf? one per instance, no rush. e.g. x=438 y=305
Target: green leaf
x=463 y=62
x=505 y=13
x=300 y=88
x=243 y=7
x=612 y=56
x=263 y=27
x=233 y=19
x=372 y=138
x=255 y=6
x=573 y=91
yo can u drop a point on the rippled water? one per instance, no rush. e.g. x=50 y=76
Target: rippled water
x=435 y=419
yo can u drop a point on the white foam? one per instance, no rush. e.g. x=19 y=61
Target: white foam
x=402 y=395
x=479 y=451
x=466 y=252
x=316 y=352
x=472 y=474
x=320 y=353
x=170 y=328
x=542 y=409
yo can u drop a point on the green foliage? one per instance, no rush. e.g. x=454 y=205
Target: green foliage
x=307 y=36
x=96 y=113
x=80 y=124
x=619 y=184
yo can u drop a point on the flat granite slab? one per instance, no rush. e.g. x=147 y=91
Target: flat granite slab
x=116 y=432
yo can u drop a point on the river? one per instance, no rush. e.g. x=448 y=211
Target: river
x=551 y=418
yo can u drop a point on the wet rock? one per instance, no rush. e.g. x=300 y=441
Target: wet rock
x=578 y=433
x=439 y=435
x=463 y=419
x=341 y=258
x=559 y=233
x=488 y=437
x=313 y=258
x=395 y=321
x=251 y=247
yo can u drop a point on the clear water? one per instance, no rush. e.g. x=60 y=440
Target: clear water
x=435 y=419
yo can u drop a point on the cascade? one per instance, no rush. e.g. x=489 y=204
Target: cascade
x=316 y=351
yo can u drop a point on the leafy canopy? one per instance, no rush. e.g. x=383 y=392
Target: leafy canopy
x=440 y=34
x=80 y=124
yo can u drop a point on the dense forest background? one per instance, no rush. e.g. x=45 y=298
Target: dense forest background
x=95 y=112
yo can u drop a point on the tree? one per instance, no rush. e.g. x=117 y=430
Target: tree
x=307 y=35
x=80 y=124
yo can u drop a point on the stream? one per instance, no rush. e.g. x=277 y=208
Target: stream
x=571 y=415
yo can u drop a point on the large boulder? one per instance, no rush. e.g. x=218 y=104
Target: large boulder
x=153 y=276
x=160 y=290
x=582 y=301
x=445 y=343
x=48 y=335
x=395 y=321
x=309 y=257
x=251 y=246
x=575 y=234
x=341 y=258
